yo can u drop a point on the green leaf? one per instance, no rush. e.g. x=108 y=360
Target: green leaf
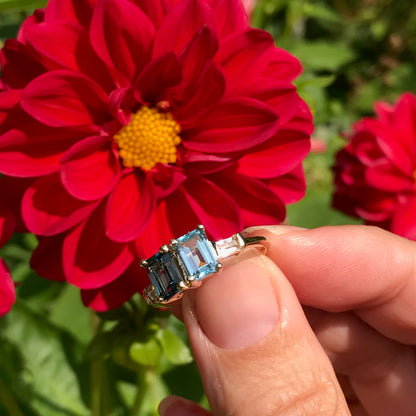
x=323 y=55
x=47 y=357
x=175 y=350
x=316 y=82
x=21 y=4
x=146 y=353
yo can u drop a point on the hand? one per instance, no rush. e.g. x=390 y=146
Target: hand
x=353 y=353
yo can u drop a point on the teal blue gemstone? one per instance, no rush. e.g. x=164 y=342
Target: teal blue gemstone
x=165 y=275
x=197 y=254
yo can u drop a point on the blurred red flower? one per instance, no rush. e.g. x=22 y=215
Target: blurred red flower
x=137 y=120
x=375 y=172
x=7 y=289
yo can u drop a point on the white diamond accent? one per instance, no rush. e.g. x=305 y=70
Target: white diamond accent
x=229 y=246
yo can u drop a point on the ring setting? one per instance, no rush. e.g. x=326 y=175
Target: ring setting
x=187 y=261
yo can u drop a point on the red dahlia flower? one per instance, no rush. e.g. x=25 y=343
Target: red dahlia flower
x=7 y=290
x=375 y=173
x=135 y=120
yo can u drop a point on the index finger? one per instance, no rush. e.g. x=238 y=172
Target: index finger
x=341 y=268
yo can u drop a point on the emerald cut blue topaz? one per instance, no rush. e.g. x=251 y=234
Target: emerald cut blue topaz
x=165 y=275
x=197 y=254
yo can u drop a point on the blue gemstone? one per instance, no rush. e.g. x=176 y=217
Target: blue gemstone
x=197 y=254
x=165 y=275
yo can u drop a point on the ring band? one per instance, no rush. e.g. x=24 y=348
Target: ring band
x=186 y=261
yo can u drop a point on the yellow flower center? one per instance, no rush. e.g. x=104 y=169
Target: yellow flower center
x=151 y=137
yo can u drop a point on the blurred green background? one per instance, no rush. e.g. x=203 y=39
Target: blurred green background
x=58 y=358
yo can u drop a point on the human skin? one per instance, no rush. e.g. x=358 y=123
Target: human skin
x=323 y=324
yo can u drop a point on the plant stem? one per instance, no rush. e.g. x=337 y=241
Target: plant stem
x=140 y=392
x=8 y=400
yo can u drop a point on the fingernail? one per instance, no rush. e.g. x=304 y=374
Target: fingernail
x=238 y=307
x=176 y=406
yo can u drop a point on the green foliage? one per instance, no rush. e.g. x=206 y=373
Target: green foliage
x=58 y=358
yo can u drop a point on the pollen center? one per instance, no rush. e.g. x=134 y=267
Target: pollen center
x=151 y=137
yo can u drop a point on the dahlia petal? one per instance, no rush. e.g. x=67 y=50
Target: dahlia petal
x=22 y=155
x=64 y=98
x=244 y=56
x=46 y=259
x=111 y=296
x=154 y=10
x=12 y=191
x=390 y=142
x=203 y=163
x=195 y=13
x=258 y=205
x=74 y=11
x=231 y=126
x=403 y=221
x=130 y=206
x=290 y=187
x=37 y=17
x=387 y=177
x=277 y=156
x=8 y=100
x=280 y=95
x=160 y=74
x=205 y=94
x=157 y=231
x=167 y=179
x=17 y=66
x=283 y=66
x=90 y=168
x=7 y=290
x=7 y=224
x=47 y=216
x=195 y=58
x=231 y=16
x=90 y=258
x=122 y=36
x=213 y=207
x=55 y=42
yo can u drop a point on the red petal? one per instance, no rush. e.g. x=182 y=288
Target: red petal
x=403 y=222
x=35 y=150
x=8 y=100
x=113 y=295
x=90 y=168
x=17 y=67
x=205 y=94
x=90 y=258
x=12 y=191
x=74 y=11
x=290 y=187
x=7 y=224
x=48 y=209
x=244 y=56
x=46 y=260
x=130 y=206
x=277 y=156
x=195 y=59
x=157 y=232
x=154 y=10
x=7 y=291
x=122 y=36
x=257 y=203
x=213 y=207
x=283 y=66
x=167 y=179
x=55 y=42
x=231 y=126
x=64 y=98
x=159 y=75
x=181 y=24
x=231 y=16
x=386 y=177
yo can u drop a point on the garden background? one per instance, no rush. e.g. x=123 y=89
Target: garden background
x=59 y=358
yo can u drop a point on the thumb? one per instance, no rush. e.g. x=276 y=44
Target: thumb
x=255 y=350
